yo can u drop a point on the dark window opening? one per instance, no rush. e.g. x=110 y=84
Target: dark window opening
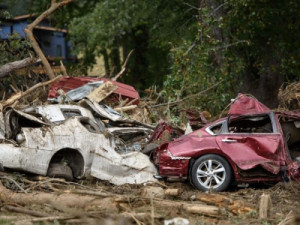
x=216 y=129
x=250 y=124
x=58 y=50
x=68 y=113
x=291 y=132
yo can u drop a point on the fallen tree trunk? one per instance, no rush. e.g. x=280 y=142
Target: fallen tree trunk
x=6 y=69
x=29 y=34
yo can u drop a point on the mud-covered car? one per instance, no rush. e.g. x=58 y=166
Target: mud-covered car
x=252 y=144
x=68 y=141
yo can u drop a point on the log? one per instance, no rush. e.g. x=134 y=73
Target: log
x=202 y=209
x=264 y=206
x=6 y=69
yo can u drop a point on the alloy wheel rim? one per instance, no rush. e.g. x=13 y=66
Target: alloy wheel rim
x=211 y=174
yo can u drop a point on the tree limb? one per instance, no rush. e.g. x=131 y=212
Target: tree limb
x=6 y=69
x=187 y=97
x=123 y=67
x=29 y=34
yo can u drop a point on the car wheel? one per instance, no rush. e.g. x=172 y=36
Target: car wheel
x=60 y=170
x=211 y=172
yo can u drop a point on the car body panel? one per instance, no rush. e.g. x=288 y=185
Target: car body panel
x=97 y=147
x=260 y=154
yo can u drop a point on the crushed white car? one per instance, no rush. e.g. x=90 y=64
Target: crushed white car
x=71 y=141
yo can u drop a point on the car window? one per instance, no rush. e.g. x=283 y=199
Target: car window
x=215 y=129
x=68 y=113
x=250 y=124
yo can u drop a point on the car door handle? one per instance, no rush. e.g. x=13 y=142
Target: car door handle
x=229 y=140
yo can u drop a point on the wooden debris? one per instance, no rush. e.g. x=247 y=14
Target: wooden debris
x=264 y=206
x=6 y=69
x=102 y=91
x=236 y=207
x=24 y=211
x=290 y=219
x=172 y=192
x=29 y=34
x=20 y=95
x=125 y=108
x=153 y=192
x=202 y=209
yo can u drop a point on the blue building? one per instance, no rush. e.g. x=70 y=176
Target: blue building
x=52 y=40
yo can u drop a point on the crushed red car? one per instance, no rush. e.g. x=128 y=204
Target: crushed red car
x=251 y=144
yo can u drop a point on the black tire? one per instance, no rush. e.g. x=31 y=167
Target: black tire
x=60 y=170
x=211 y=173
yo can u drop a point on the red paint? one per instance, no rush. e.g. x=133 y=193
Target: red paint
x=244 y=105
x=247 y=151
x=69 y=83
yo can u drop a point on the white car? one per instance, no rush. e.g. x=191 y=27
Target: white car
x=68 y=141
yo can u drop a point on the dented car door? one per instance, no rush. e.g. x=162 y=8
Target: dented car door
x=252 y=141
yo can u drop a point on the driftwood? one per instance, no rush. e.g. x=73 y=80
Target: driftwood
x=29 y=34
x=6 y=69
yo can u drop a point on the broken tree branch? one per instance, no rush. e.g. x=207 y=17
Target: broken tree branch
x=123 y=67
x=6 y=69
x=20 y=95
x=186 y=98
x=29 y=34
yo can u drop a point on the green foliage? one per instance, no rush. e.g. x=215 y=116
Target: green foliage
x=271 y=28
x=186 y=47
x=14 y=49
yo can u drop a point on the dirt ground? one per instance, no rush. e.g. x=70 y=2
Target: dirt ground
x=27 y=199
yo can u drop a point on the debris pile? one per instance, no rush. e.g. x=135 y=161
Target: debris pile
x=289 y=96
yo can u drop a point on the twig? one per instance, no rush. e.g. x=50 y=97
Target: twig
x=123 y=67
x=186 y=98
x=16 y=183
x=135 y=219
x=152 y=212
x=24 y=211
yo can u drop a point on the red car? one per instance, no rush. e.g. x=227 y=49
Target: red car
x=252 y=144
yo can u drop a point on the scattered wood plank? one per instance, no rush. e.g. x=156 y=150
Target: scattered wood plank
x=102 y=91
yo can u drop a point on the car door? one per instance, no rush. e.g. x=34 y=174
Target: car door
x=251 y=141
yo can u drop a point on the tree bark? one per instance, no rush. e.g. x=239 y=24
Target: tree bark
x=6 y=69
x=29 y=34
